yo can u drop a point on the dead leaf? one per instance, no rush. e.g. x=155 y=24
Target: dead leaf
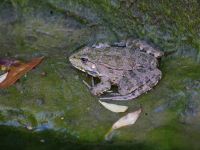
x=126 y=120
x=3 y=77
x=16 y=72
x=114 y=107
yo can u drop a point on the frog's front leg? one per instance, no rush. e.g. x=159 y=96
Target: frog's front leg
x=101 y=87
x=144 y=46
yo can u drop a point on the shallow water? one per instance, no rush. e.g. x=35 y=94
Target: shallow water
x=59 y=107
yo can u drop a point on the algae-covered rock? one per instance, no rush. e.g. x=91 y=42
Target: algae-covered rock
x=61 y=103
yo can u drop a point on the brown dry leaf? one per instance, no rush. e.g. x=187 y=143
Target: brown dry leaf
x=16 y=72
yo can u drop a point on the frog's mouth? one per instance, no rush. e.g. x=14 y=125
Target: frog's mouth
x=79 y=68
x=92 y=73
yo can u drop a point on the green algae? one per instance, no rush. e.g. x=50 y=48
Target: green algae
x=176 y=137
x=61 y=103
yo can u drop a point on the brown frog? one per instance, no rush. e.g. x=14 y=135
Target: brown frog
x=131 y=65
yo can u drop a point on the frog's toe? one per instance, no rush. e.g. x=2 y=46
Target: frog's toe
x=94 y=91
x=89 y=87
x=119 y=97
x=114 y=94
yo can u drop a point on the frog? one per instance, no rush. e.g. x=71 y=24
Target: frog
x=131 y=65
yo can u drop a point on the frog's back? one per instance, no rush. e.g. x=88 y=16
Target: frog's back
x=115 y=57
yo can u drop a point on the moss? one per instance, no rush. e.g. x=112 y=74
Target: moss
x=174 y=136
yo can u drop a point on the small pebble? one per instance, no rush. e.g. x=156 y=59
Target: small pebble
x=76 y=77
x=42 y=140
x=29 y=127
x=43 y=74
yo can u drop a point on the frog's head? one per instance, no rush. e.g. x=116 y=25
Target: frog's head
x=82 y=60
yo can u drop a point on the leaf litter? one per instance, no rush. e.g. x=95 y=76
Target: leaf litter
x=17 y=71
x=114 y=107
x=127 y=120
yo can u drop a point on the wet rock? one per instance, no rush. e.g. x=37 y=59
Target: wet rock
x=8 y=14
x=40 y=102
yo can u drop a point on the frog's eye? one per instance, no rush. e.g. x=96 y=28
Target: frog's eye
x=84 y=60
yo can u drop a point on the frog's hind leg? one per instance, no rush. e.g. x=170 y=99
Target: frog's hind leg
x=130 y=96
x=144 y=46
x=101 y=87
x=152 y=78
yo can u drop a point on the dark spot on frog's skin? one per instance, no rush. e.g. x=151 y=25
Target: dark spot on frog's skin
x=141 y=70
x=110 y=71
x=149 y=82
x=146 y=79
x=143 y=60
x=143 y=50
x=126 y=79
x=132 y=73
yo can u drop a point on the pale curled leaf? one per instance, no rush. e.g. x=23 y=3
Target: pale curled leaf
x=114 y=107
x=3 y=77
x=127 y=120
